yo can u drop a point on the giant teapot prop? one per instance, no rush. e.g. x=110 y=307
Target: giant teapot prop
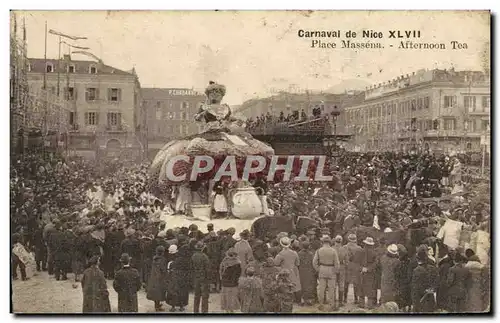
x=246 y=204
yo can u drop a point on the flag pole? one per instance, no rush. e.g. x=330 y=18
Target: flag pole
x=45 y=58
x=59 y=67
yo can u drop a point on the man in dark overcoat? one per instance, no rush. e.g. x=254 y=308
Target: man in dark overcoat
x=95 y=289
x=423 y=284
x=200 y=265
x=126 y=284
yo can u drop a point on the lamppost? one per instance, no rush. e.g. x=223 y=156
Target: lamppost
x=335 y=113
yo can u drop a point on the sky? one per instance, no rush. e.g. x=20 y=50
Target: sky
x=255 y=53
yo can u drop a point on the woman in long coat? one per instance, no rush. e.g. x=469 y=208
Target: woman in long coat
x=230 y=272
x=476 y=286
x=423 y=284
x=251 y=292
x=95 y=289
x=403 y=279
x=389 y=264
x=268 y=274
x=308 y=279
x=157 y=282
x=289 y=259
x=179 y=279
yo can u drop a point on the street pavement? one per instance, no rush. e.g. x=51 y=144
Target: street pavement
x=42 y=294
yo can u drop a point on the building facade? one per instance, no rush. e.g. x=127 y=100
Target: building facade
x=104 y=117
x=169 y=114
x=430 y=110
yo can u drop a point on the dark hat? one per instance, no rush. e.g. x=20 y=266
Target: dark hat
x=250 y=271
x=231 y=252
x=125 y=258
x=93 y=260
x=193 y=227
x=210 y=226
x=245 y=234
x=199 y=245
x=305 y=244
x=160 y=250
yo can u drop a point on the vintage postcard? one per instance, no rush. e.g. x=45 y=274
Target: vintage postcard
x=307 y=162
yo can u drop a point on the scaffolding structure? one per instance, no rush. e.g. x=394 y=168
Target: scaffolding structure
x=38 y=117
x=18 y=86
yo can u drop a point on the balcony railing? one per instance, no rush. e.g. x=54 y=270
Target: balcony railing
x=308 y=127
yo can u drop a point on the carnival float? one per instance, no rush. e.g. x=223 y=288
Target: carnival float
x=202 y=194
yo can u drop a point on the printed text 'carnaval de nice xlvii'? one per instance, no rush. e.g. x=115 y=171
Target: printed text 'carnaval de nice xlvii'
x=410 y=39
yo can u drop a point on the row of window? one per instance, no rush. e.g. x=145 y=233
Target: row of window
x=50 y=68
x=449 y=124
x=174 y=130
x=114 y=119
x=404 y=108
x=172 y=115
x=469 y=102
x=388 y=109
x=91 y=93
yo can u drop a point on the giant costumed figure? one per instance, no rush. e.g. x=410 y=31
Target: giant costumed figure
x=224 y=136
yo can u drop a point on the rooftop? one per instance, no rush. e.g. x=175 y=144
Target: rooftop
x=37 y=65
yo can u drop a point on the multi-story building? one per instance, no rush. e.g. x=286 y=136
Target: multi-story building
x=429 y=110
x=170 y=114
x=104 y=116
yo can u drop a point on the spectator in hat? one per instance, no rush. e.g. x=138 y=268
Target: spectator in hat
x=341 y=271
x=423 y=284
x=477 y=286
x=389 y=264
x=230 y=272
x=195 y=233
x=403 y=278
x=326 y=262
x=179 y=274
x=308 y=276
x=213 y=252
x=284 y=291
x=369 y=274
x=457 y=280
x=315 y=243
x=251 y=292
x=126 y=284
x=95 y=289
x=228 y=241
x=201 y=267
x=157 y=282
x=354 y=266
x=244 y=250
x=289 y=259
x=131 y=246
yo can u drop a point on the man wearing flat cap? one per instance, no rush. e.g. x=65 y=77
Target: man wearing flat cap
x=126 y=284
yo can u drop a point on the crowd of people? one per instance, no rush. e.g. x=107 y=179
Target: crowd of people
x=406 y=232
x=295 y=116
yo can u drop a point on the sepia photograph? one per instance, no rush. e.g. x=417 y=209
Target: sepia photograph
x=231 y=162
